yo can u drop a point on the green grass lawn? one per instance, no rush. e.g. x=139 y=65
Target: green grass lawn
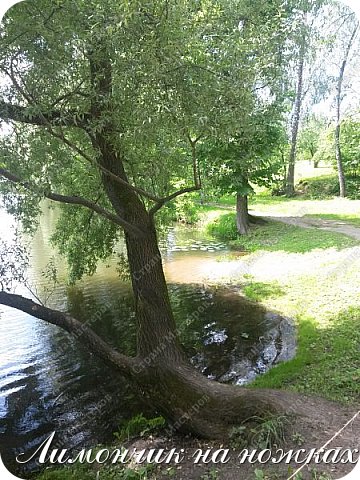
x=327 y=362
x=275 y=236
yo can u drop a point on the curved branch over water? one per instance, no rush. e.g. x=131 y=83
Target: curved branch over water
x=76 y=328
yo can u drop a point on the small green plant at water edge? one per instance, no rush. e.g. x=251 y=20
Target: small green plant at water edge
x=142 y=473
x=268 y=432
x=315 y=475
x=139 y=426
x=261 y=475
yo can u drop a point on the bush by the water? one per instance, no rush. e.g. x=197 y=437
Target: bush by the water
x=224 y=227
x=183 y=209
x=328 y=186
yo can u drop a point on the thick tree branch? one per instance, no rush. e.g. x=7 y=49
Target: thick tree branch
x=17 y=113
x=77 y=329
x=167 y=199
x=76 y=200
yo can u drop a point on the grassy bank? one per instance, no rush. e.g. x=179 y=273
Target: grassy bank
x=312 y=276
x=276 y=236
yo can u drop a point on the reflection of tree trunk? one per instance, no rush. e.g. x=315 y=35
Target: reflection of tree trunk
x=290 y=180
x=242 y=214
x=338 y=155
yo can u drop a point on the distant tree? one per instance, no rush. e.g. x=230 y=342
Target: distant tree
x=347 y=46
x=309 y=136
x=307 y=84
x=251 y=157
x=350 y=149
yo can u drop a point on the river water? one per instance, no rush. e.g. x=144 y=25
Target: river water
x=49 y=382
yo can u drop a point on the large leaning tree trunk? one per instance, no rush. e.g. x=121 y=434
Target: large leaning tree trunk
x=290 y=179
x=160 y=368
x=338 y=155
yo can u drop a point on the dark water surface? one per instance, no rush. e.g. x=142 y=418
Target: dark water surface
x=49 y=382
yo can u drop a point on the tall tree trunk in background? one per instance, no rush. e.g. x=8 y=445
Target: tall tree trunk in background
x=338 y=156
x=316 y=161
x=242 y=214
x=290 y=180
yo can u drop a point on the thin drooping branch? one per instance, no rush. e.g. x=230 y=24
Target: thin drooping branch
x=17 y=113
x=75 y=200
x=77 y=329
x=197 y=182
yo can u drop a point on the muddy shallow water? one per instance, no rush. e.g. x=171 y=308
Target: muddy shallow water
x=49 y=382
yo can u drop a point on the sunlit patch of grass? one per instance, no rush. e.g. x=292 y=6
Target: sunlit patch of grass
x=276 y=236
x=327 y=362
x=259 y=291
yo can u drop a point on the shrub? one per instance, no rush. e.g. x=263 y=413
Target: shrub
x=328 y=186
x=319 y=187
x=224 y=227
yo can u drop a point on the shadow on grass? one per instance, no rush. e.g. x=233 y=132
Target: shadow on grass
x=327 y=362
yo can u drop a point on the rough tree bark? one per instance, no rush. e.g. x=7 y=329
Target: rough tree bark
x=242 y=214
x=338 y=155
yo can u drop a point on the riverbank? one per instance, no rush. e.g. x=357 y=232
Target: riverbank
x=312 y=276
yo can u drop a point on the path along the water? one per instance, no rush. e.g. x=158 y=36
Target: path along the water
x=318 y=223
